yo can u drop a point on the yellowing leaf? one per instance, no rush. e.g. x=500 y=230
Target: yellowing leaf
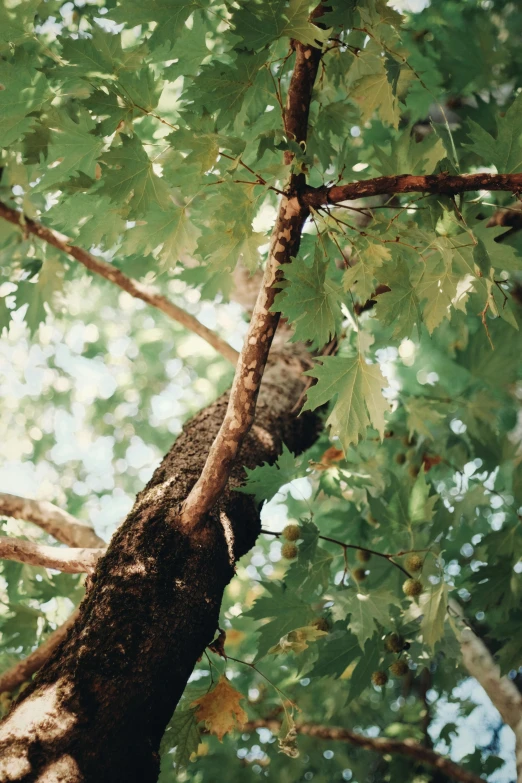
x=358 y=389
x=220 y=709
x=374 y=93
x=296 y=641
x=434 y=605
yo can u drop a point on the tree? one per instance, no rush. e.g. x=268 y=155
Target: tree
x=378 y=376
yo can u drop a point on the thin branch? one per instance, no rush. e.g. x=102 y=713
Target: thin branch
x=63 y=526
x=382 y=745
x=71 y=560
x=114 y=275
x=502 y=691
x=24 y=669
x=284 y=244
x=385 y=555
x=442 y=184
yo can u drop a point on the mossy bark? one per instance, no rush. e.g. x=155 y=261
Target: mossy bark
x=97 y=711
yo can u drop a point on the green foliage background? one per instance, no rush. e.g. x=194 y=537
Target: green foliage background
x=130 y=126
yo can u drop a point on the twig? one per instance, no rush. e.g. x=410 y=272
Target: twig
x=114 y=275
x=382 y=745
x=71 y=560
x=388 y=557
x=63 y=526
x=284 y=245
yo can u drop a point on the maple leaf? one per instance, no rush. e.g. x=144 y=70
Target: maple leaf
x=310 y=301
x=171 y=15
x=130 y=176
x=101 y=54
x=297 y=640
x=358 y=389
x=22 y=91
x=222 y=88
x=170 y=232
x=363 y=611
x=374 y=93
x=39 y=295
x=260 y=24
x=74 y=146
x=182 y=733
x=220 y=709
x=398 y=307
x=266 y=480
x=408 y=156
x=505 y=150
x=361 y=276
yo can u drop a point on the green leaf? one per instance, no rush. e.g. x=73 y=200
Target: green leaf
x=222 y=88
x=409 y=156
x=169 y=16
x=73 y=147
x=266 y=480
x=421 y=414
x=374 y=93
x=364 y=611
x=22 y=91
x=399 y=307
x=130 y=178
x=310 y=301
x=335 y=653
x=40 y=293
x=357 y=388
x=259 y=24
x=368 y=663
x=420 y=506
x=171 y=233
x=284 y=611
x=101 y=54
x=191 y=50
x=182 y=733
x=309 y=575
x=505 y=149
x=361 y=276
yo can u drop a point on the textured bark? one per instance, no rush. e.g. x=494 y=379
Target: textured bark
x=97 y=710
x=445 y=184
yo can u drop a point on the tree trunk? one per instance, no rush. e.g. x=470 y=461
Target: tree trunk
x=97 y=711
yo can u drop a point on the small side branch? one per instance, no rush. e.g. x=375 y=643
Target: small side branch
x=114 y=275
x=72 y=560
x=443 y=184
x=377 y=744
x=284 y=245
x=11 y=679
x=63 y=526
x=502 y=691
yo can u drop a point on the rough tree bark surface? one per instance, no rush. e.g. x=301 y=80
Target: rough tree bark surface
x=97 y=711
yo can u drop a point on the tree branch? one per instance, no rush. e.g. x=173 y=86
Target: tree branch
x=443 y=184
x=114 y=275
x=63 y=526
x=284 y=244
x=24 y=669
x=71 y=560
x=383 y=745
x=502 y=691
